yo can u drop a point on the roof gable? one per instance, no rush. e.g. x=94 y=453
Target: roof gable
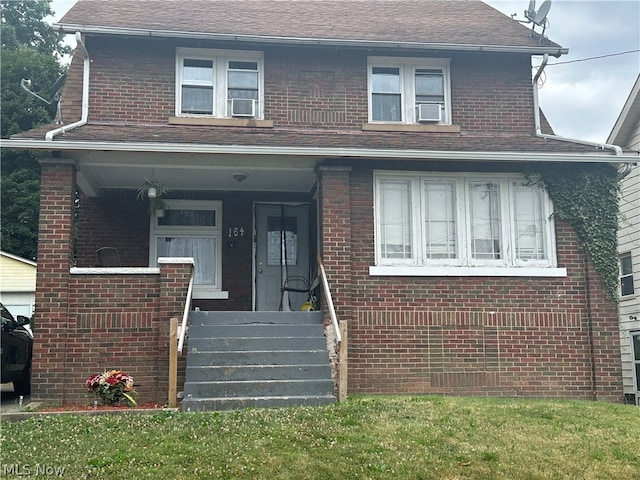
x=420 y=22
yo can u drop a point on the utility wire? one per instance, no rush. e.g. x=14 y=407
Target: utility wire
x=593 y=58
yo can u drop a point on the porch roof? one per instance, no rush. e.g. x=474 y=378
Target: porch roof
x=309 y=142
x=433 y=24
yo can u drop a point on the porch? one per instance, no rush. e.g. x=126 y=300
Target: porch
x=91 y=318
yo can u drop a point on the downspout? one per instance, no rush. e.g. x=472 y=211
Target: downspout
x=536 y=112
x=85 y=95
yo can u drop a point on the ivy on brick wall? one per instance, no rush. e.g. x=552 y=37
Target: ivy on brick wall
x=586 y=197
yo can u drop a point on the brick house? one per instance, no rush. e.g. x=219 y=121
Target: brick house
x=389 y=142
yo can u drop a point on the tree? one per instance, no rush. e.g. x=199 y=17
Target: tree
x=30 y=49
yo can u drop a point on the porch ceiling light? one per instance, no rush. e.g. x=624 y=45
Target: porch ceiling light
x=240 y=176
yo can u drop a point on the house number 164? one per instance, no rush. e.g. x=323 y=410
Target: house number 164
x=236 y=232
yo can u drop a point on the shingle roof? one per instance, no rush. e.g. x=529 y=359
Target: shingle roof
x=313 y=138
x=444 y=22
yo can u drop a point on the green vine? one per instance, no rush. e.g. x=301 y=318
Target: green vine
x=586 y=196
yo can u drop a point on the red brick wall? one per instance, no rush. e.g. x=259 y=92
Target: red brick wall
x=117 y=219
x=88 y=323
x=55 y=249
x=133 y=81
x=492 y=93
x=467 y=335
x=109 y=328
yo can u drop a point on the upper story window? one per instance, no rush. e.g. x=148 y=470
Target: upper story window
x=219 y=83
x=626 y=275
x=462 y=220
x=409 y=90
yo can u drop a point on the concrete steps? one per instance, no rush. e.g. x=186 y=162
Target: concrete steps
x=256 y=359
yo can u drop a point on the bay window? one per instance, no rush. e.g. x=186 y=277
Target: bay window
x=469 y=221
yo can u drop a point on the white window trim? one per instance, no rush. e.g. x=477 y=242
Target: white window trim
x=200 y=291
x=407 y=66
x=621 y=276
x=220 y=59
x=463 y=265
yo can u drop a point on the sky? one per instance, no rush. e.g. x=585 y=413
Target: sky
x=581 y=99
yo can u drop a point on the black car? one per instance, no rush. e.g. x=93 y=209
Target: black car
x=17 y=347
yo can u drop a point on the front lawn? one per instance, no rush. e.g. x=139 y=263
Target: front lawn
x=364 y=438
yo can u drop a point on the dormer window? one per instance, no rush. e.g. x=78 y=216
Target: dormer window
x=221 y=84
x=409 y=91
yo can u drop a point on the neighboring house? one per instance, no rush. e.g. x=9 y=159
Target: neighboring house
x=626 y=132
x=388 y=138
x=17 y=284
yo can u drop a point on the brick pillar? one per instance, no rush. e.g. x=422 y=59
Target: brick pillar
x=605 y=340
x=55 y=257
x=174 y=285
x=335 y=230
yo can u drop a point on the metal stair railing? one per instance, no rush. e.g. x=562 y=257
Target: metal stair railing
x=340 y=332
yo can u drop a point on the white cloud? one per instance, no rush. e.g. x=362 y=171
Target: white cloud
x=583 y=99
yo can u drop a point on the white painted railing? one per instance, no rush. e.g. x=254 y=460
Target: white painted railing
x=329 y=300
x=182 y=329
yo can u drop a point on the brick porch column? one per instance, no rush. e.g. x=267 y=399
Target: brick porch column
x=335 y=231
x=55 y=258
x=174 y=285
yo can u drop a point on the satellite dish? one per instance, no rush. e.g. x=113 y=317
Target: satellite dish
x=57 y=85
x=530 y=12
x=541 y=15
x=53 y=97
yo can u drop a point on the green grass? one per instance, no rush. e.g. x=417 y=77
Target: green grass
x=364 y=438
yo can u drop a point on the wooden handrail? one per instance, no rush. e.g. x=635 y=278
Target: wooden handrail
x=182 y=330
x=329 y=300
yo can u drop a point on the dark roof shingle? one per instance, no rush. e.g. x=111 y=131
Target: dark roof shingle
x=459 y=22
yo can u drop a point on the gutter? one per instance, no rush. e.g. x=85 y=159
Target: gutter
x=536 y=111
x=85 y=95
x=556 y=51
x=310 y=152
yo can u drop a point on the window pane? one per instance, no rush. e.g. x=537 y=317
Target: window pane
x=626 y=275
x=190 y=218
x=197 y=70
x=395 y=219
x=385 y=80
x=529 y=223
x=197 y=100
x=282 y=240
x=626 y=286
x=440 y=226
x=242 y=94
x=636 y=347
x=386 y=108
x=626 y=266
x=243 y=79
x=429 y=86
x=235 y=65
x=202 y=249
x=486 y=242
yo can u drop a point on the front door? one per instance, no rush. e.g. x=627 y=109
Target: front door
x=281 y=256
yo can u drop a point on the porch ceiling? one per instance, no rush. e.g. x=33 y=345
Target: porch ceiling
x=102 y=170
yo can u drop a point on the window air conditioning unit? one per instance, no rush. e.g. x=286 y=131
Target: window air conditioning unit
x=429 y=112
x=243 y=107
